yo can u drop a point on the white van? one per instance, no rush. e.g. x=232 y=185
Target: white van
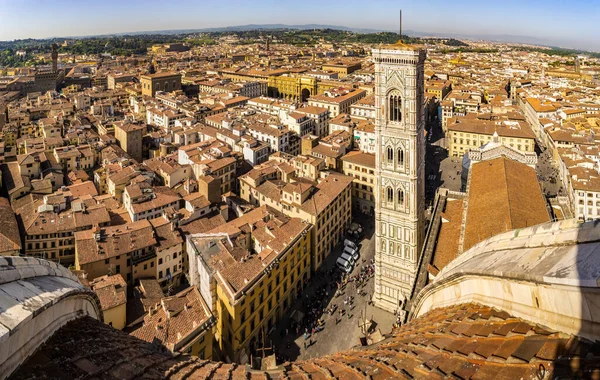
x=352 y=253
x=343 y=265
x=348 y=258
x=350 y=243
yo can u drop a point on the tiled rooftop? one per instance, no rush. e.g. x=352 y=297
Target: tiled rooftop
x=466 y=341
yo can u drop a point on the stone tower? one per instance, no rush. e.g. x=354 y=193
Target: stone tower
x=54 y=56
x=400 y=171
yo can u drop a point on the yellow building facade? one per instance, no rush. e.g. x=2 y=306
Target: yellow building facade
x=250 y=270
x=243 y=321
x=361 y=166
x=464 y=137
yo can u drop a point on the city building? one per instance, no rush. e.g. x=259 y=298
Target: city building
x=361 y=166
x=138 y=250
x=49 y=225
x=466 y=134
x=112 y=293
x=518 y=338
x=129 y=135
x=164 y=81
x=10 y=238
x=337 y=101
x=342 y=68
x=183 y=323
x=249 y=271
x=400 y=172
x=326 y=204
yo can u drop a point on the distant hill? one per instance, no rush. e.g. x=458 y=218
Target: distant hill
x=540 y=41
x=243 y=28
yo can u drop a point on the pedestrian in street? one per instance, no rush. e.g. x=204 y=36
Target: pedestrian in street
x=305 y=345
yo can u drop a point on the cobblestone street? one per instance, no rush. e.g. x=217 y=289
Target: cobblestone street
x=547 y=173
x=346 y=333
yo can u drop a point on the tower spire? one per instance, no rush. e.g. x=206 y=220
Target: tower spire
x=400 y=26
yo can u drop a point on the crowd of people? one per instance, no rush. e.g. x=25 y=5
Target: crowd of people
x=328 y=284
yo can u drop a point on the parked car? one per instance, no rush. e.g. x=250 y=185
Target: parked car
x=348 y=258
x=352 y=253
x=350 y=243
x=344 y=265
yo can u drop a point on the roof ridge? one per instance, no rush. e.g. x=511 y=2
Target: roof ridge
x=510 y=210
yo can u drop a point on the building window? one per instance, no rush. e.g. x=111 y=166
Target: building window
x=390 y=155
x=395 y=108
x=400 y=157
x=390 y=195
x=400 y=197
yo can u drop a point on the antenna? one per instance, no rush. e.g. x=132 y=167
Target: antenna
x=400 y=26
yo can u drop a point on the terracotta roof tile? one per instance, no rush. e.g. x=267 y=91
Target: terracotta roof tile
x=505 y=328
x=528 y=349
x=508 y=347
x=425 y=348
x=488 y=347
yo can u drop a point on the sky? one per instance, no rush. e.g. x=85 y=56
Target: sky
x=571 y=23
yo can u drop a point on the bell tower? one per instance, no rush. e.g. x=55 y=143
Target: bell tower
x=54 y=56
x=400 y=171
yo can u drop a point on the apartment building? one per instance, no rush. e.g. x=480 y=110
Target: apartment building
x=165 y=81
x=49 y=225
x=137 y=250
x=535 y=109
x=364 y=108
x=171 y=172
x=211 y=159
x=320 y=118
x=337 y=100
x=183 y=323
x=342 y=68
x=129 y=135
x=75 y=158
x=249 y=271
x=249 y=89
x=163 y=117
x=585 y=187
x=467 y=134
x=10 y=238
x=438 y=88
x=255 y=152
x=144 y=201
x=112 y=293
x=364 y=136
x=325 y=203
x=361 y=166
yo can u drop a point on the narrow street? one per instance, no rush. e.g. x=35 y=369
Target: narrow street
x=346 y=333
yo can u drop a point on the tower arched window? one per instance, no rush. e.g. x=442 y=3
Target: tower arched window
x=390 y=155
x=400 y=197
x=390 y=195
x=400 y=157
x=395 y=106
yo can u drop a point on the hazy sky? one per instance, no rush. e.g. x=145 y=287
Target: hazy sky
x=572 y=23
